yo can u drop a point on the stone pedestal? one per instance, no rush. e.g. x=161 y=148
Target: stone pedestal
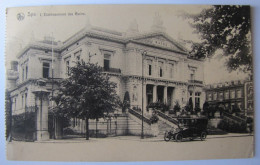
x=155 y=129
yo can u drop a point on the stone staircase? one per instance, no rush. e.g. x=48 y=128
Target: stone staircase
x=163 y=126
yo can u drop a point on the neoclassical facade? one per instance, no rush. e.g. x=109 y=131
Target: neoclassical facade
x=153 y=62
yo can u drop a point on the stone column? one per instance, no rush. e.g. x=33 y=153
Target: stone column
x=154 y=93
x=42 y=103
x=165 y=95
x=58 y=128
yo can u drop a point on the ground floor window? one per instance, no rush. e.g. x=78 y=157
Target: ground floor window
x=197 y=99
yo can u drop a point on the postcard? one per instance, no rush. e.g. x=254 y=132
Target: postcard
x=129 y=83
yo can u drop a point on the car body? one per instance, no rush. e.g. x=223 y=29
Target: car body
x=188 y=128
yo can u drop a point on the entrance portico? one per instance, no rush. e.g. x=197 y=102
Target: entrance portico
x=158 y=93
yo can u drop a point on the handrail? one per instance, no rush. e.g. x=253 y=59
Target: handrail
x=139 y=116
x=238 y=119
x=168 y=118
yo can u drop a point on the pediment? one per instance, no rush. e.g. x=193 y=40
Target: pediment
x=162 y=41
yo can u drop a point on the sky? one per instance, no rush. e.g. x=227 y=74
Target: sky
x=118 y=17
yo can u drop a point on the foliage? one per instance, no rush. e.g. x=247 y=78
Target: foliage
x=159 y=106
x=126 y=102
x=7 y=114
x=231 y=126
x=177 y=107
x=205 y=108
x=24 y=126
x=249 y=120
x=154 y=118
x=137 y=108
x=189 y=106
x=225 y=28
x=86 y=94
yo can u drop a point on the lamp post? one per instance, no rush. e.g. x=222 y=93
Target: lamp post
x=143 y=55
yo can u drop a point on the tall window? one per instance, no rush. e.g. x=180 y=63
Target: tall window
x=45 y=69
x=106 y=62
x=68 y=67
x=149 y=62
x=226 y=94
x=209 y=97
x=220 y=94
x=197 y=99
x=160 y=69
x=22 y=101
x=26 y=72
x=232 y=94
x=23 y=74
x=171 y=70
x=25 y=100
x=77 y=55
x=150 y=69
x=192 y=75
x=239 y=95
x=215 y=96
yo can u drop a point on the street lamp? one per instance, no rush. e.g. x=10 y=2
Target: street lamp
x=143 y=56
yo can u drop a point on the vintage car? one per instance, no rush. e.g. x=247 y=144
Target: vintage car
x=188 y=128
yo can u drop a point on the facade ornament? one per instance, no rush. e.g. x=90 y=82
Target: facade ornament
x=158 y=24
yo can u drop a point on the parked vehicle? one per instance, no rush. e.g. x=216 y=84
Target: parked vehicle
x=188 y=128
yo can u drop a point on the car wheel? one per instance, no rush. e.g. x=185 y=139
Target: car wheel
x=203 y=136
x=178 y=137
x=167 y=136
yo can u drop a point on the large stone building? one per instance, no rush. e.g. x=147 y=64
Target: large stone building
x=168 y=72
x=233 y=95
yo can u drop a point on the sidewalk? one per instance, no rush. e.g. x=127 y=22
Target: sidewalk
x=132 y=138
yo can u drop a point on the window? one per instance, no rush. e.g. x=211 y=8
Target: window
x=215 y=96
x=171 y=70
x=161 y=72
x=45 y=69
x=197 y=99
x=106 y=62
x=150 y=69
x=192 y=75
x=220 y=95
x=239 y=93
x=226 y=94
x=22 y=101
x=77 y=55
x=160 y=69
x=68 y=67
x=149 y=64
x=209 y=97
x=232 y=94
x=23 y=74
x=26 y=72
x=25 y=100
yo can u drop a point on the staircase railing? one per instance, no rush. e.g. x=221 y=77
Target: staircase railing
x=236 y=118
x=168 y=118
x=139 y=116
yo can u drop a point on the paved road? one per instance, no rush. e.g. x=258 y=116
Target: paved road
x=131 y=148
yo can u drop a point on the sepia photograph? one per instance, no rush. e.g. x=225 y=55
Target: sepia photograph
x=116 y=83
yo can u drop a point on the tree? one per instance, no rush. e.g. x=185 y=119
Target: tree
x=86 y=94
x=225 y=28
